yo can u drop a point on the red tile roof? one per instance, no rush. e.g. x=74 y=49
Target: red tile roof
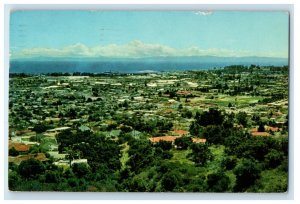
x=173 y=138
x=182 y=92
x=20 y=147
x=260 y=133
x=164 y=138
x=181 y=132
x=198 y=140
x=274 y=129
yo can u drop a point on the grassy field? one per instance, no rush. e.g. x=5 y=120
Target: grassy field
x=223 y=100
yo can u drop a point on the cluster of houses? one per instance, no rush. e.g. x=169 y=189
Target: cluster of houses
x=95 y=103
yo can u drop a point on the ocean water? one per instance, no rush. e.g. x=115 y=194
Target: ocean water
x=134 y=66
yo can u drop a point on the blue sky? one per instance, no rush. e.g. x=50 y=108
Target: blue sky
x=148 y=34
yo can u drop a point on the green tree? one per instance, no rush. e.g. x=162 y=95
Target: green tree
x=39 y=128
x=72 y=113
x=162 y=154
x=171 y=180
x=242 y=118
x=211 y=117
x=31 y=169
x=229 y=162
x=246 y=172
x=136 y=184
x=80 y=169
x=200 y=154
x=180 y=107
x=14 y=180
x=218 y=182
x=214 y=134
x=274 y=158
x=187 y=113
x=52 y=176
x=172 y=94
x=141 y=155
x=89 y=100
x=183 y=143
x=126 y=129
x=65 y=139
x=261 y=127
x=13 y=152
x=195 y=129
x=165 y=145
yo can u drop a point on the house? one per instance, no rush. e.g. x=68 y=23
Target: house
x=181 y=132
x=183 y=92
x=254 y=132
x=20 y=147
x=263 y=134
x=273 y=129
x=79 y=161
x=152 y=85
x=138 y=98
x=62 y=163
x=164 y=138
x=198 y=140
x=56 y=155
x=56 y=130
x=18 y=159
x=192 y=84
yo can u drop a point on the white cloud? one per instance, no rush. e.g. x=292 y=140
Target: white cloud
x=203 y=13
x=133 y=49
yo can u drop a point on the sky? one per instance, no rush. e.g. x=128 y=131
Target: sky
x=137 y=34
